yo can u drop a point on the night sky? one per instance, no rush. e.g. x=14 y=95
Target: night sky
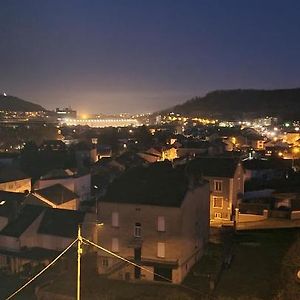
x=144 y=55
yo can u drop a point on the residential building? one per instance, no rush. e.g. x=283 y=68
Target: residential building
x=78 y=182
x=14 y=180
x=226 y=180
x=157 y=218
x=36 y=235
x=55 y=196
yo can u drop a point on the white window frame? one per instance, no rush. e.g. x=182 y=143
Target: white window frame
x=161 y=249
x=218 y=185
x=115 y=245
x=217 y=197
x=115 y=219
x=137 y=232
x=161 y=224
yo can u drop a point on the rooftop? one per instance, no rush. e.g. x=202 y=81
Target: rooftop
x=158 y=184
x=61 y=222
x=214 y=166
x=27 y=216
x=57 y=194
x=8 y=174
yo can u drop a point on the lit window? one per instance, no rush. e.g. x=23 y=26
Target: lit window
x=137 y=230
x=218 y=202
x=218 y=216
x=161 y=225
x=115 y=219
x=115 y=245
x=161 y=248
x=218 y=185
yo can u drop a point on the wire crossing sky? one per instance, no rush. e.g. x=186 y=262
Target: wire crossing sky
x=139 y=56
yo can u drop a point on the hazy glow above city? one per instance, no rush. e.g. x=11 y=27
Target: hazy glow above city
x=140 y=56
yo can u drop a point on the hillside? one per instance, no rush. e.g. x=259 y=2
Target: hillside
x=242 y=103
x=11 y=103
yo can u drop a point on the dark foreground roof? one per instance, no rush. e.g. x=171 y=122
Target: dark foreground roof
x=57 y=194
x=61 y=222
x=35 y=253
x=214 y=166
x=27 y=216
x=159 y=184
x=8 y=174
x=260 y=164
x=9 y=201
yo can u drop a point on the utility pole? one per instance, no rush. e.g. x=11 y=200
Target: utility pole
x=79 y=252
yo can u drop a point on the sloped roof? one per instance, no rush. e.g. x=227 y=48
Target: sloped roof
x=26 y=217
x=61 y=222
x=57 y=173
x=57 y=194
x=158 y=184
x=8 y=174
x=214 y=166
x=9 y=201
x=263 y=164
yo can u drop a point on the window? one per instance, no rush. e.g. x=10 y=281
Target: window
x=218 y=185
x=115 y=219
x=105 y=262
x=161 y=225
x=115 y=245
x=218 y=216
x=137 y=230
x=161 y=250
x=218 y=202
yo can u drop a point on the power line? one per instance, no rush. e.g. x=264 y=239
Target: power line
x=139 y=266
x=41 y=272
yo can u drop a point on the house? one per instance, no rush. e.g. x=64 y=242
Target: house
x=85 y=153
x=55 y=196
x=226 y=180
x=266 y=169
x=77 y=181
x=36 y=235
x=155 y=217
x=14 y=180
x=10 y=204
x=193 y=148
x=161 y=153
x=53 y=145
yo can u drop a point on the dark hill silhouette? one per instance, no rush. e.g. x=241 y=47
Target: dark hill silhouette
x=243 y=103
x=11 y=103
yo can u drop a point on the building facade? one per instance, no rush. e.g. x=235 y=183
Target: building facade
x=167 y=240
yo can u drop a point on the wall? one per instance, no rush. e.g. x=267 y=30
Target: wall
x=295 y=215
x=3 y=222
x=19 y=186
x=186 y=230
x=80 y=185
x=225 y=193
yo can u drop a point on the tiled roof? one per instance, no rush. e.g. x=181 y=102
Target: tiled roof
x=214 y=166
x=158 y=184
x=61 y=222
x=27 y=216
x=57 y=194
x=8 y=174
x=259 y=164
x=9 y=201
